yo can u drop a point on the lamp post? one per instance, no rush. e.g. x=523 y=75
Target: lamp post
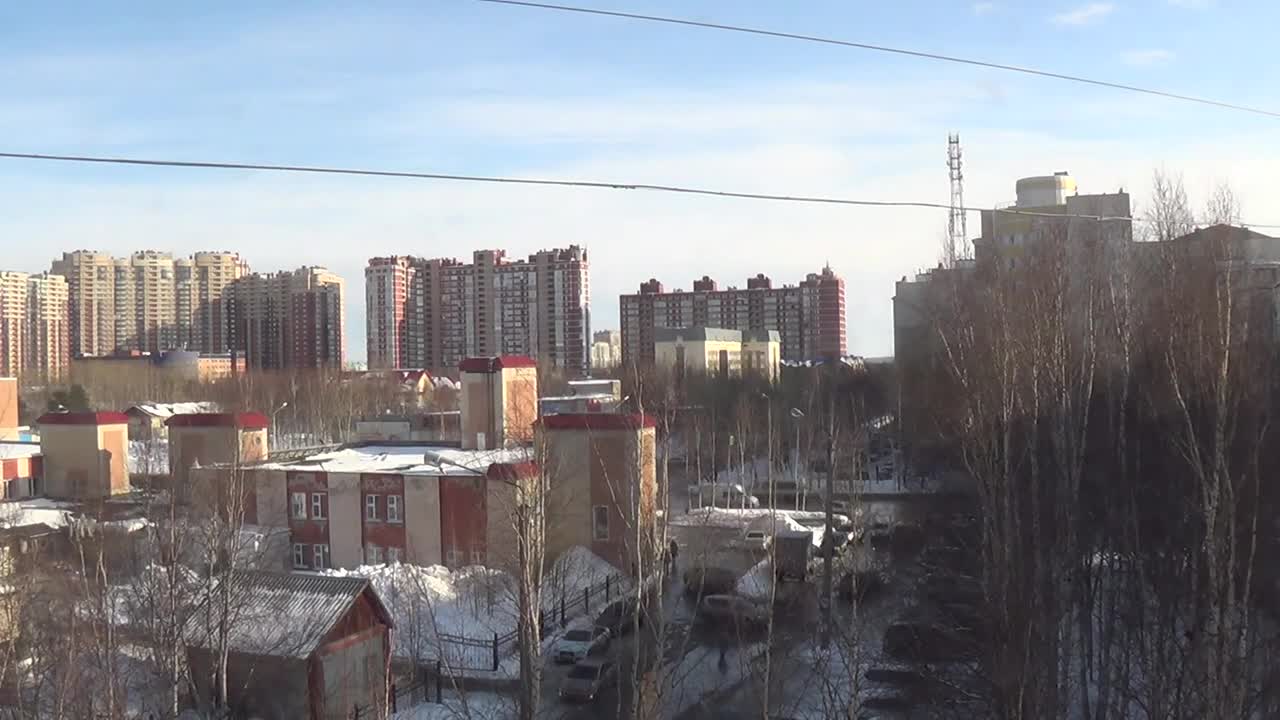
x=283 y=405
x=797 y=415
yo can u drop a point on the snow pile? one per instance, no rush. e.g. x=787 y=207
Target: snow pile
x=736 y=518
x=426 y=603
x=168 y=410
x=757 y=583
x=578 y=569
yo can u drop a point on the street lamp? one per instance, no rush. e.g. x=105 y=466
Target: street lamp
x=283 y=405
x=797 y=415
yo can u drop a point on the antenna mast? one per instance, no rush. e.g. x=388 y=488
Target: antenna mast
x=957 y=233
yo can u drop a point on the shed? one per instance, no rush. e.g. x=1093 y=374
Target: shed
x=300 y=646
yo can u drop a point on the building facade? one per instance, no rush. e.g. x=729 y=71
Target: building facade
x=148 y=301
x=718 y=352
x=436 y=312
x=288 y=320
x=33 y=325
x=606 y=349
x=809 y=317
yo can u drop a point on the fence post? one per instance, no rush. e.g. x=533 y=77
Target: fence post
x=393 y=697
x=439 y=685
x=561 y=609
x=495 y=652
x=586 y=601
x=607 y=596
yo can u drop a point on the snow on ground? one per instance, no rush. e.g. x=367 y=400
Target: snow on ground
x=427 y=603
x=740 y=518
x=148 y=458
x=702 y=674
x=459 y=706
x=33 y=511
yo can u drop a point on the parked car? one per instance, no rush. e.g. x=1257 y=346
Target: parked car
x=579 y=642
x=701 y=580
x=587 y=678
x=754 y=540
x=732 y=608
x=621 y=616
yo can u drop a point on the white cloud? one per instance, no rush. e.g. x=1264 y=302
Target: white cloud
x=1145 y=58
x=1084 y=15
x=982 y=8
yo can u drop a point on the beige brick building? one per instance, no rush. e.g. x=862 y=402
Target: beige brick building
x=33 y=325
x=85 y=455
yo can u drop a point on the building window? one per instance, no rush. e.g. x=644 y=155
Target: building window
x=299 y=506
x=317 y=506
x=393 y=556
x=372 y=555
x=299 y=555
x=320 y=557
x=393 y=508
x=370 y=507
x=600 y=522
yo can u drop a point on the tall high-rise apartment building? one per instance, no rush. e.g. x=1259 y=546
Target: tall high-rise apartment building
x=809 y=317
x=33 y=325
x=148 y=300
x=288 y=320
x=436 y=312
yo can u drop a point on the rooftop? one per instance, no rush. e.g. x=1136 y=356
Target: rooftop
x=286 y=614
x=399 y=459
x=167 y=410
x=11 y=450
x=696 y=334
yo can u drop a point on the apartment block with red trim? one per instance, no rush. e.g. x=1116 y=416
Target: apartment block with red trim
x=443 y=503
x=434 y=313
x=809 y=317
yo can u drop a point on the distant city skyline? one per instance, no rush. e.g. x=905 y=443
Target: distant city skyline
x=472 y=88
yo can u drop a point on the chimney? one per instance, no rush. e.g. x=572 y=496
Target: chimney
x=499 y=401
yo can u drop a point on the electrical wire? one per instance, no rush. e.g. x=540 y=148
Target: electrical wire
x=590 y=184
x=887 y=49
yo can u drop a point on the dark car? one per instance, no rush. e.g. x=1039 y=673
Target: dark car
x=918 y=642
x=621 y=616
x=587 y=678
x=702 y=580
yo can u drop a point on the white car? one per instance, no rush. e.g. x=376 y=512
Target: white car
x=579 y=642
x=756 y=540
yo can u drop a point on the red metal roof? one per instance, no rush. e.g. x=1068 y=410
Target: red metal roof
x=494 y=364
x=84 y=418
x=597 y=421
x=512 y=471
x=247 y=420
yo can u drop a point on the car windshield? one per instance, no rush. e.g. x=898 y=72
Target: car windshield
x=583 y=672
x=577 y=636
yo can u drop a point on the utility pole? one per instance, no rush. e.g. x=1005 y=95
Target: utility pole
x=828 y=544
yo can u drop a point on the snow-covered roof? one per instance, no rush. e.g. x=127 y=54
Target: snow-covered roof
x=15 y=450
x=410 y=459
x=32 y=511
x=164 y=411
x=282 y=614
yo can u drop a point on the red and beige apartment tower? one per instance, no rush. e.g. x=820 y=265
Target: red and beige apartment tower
x=809 y=317
x=434 y=313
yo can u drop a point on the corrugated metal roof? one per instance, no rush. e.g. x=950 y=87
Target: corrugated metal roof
x=278 y=614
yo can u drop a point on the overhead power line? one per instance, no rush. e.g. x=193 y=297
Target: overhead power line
x=887 y=49
x=551 y=182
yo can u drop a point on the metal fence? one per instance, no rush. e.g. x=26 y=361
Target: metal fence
x=467 y=653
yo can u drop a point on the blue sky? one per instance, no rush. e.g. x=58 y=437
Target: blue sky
x=464 y=87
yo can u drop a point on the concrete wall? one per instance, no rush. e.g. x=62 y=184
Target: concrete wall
x=266 y=688
x=422 y=520
x=212 y=445
x=518 y=404
x=345 y=546
x=8 y=408
x=85 y=461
